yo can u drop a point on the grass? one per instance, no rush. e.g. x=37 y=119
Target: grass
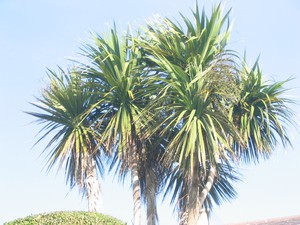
x=67 y=218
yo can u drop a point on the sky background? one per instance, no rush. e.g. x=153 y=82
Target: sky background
x=35 y=35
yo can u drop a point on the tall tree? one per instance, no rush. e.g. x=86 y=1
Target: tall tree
x=218 y=109
x=65 y=110
x=198 y=79
x=118 y=76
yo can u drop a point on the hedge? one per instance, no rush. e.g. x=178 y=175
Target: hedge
x=67 y=218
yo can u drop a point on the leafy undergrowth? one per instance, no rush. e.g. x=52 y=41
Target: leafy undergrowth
x=67 y=218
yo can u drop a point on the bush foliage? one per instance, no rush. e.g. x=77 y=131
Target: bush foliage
x=67 y=218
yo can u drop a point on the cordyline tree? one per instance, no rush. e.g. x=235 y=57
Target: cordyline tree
x=119 y=77
x=216 y=109
x=198 y=82
x=74 y=141
x=173 y=106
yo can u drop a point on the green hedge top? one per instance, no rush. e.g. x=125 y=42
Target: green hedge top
x=67 y=218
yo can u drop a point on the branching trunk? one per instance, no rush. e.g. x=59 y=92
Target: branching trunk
x=92 y=187
x=196 y=198
x=209 y=183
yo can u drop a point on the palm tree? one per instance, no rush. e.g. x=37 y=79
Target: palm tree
x=74 y=144
x=198 y=79
x=119 y=78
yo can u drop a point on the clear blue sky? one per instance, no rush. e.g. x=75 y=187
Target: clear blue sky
x=38 y=34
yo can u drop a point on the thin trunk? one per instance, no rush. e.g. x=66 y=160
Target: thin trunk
x=200 y=216
x=194 y=211
x=193 y=202
x=92 y=186
x=209 y=183
x=136 y=193
x=151 y=185
x=183 y=207
x=196 y=200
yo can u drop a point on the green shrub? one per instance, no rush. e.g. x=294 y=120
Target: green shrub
x=67 y=218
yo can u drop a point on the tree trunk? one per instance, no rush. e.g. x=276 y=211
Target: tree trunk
x=209 y=183
x=196 y=199
x=151 y=185
x=136 y=192
x=183 y=213
x=92 y=186
x=193 y=207
x=199 y=215
x=203 y=220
